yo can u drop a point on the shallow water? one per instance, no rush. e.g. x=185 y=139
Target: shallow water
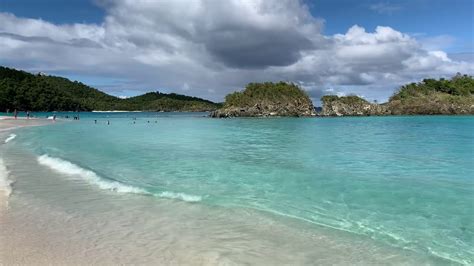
x=347 y=190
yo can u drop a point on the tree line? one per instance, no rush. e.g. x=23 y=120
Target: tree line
x=25 y=91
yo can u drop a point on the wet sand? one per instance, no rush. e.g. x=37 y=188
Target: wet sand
x=7 y=124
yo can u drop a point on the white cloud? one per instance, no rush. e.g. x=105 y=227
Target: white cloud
x=208 y=49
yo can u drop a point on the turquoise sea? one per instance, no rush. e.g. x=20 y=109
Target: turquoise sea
x=405 y=183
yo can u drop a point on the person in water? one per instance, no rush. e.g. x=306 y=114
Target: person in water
x=108 y=122
x=15 y=113
x=27 y=114
x=95 y=121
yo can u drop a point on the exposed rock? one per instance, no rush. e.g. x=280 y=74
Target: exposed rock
x=430 y=105
x=342 y=106
x=429 y=97
x=351 y=106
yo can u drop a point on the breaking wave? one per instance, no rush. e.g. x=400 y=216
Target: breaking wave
x=68 y=168
x=5 y=183
x=10 y=138
x=180 y=196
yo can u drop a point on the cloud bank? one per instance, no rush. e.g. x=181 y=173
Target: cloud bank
x=207 y=48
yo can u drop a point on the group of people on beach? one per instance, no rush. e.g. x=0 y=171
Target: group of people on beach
x=15 y=114
x=74 y=117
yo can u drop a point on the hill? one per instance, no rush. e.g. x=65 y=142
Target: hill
x=428 y=97
x=24 y=91
x=267 y=99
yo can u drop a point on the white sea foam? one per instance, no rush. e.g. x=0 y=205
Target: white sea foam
x=10 y=138
x=180 y=196
x=68 y=168
x=71 y=169
x=5 y=183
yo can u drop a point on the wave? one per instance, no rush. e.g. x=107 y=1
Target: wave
x=10 y=138
x=5 y=183
x=65 y=167
x=68 y=168
x=180 y=196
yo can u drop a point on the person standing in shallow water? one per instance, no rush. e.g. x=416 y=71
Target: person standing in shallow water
x=27 y=114
x=15 y=113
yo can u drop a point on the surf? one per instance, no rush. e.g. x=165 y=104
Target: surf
x=10 y=138
x=70 y=169
x=180 y=196
x=5 y=183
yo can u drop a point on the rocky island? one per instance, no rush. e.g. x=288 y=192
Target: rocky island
x=429 y=97
x=265 y=100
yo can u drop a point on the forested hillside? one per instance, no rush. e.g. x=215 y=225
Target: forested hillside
x=24 y=91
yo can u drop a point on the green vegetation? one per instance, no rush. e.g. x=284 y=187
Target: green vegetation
x=430 y=96
x=169 y=102
x=459 y=85
x=267 y=99
x=255 y=93
x=454 y=96
x=24 y=91
x=351 y=99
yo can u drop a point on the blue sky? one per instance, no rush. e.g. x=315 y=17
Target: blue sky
x=423 y=18
x=159 y=45
x=57 y=11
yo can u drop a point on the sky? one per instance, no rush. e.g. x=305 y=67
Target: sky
x=208 y=48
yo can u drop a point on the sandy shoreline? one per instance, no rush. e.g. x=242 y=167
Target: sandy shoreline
x=8 y=123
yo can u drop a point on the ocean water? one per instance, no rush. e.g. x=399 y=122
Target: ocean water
x=386 y=185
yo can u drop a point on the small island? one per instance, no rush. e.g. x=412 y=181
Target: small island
x=429 y=97
x=266 y=100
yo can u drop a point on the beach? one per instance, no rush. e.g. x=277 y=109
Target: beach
x=134 y=192
x=7 y=124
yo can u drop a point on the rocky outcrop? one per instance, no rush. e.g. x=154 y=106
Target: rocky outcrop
x=432 y=106
x=263 y=109
x=267 y=100
x=428 y=97
x=427 y=105
x=350 y=106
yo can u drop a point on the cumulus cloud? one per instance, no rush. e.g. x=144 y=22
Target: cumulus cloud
x=207 y=48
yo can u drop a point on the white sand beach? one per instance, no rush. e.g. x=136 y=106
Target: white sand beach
x=7 y=124
x=10 y=123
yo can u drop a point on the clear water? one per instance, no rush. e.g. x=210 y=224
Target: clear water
x=403 y=181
